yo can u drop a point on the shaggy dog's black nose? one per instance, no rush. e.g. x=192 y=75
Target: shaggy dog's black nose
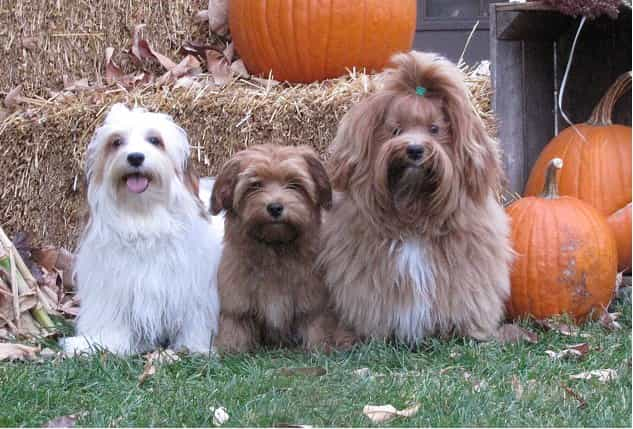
x=275 y=209
x=135 y=159
x=415 y=151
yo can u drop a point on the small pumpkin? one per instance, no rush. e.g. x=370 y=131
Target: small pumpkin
x=620 y=223
x=566 y=255
x=309 y=40
x=597 y=157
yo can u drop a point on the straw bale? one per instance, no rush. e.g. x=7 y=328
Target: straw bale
x=44 y=40
x=42 y=145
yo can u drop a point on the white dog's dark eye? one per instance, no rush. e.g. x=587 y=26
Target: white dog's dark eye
x=255 y=186
x=396 y=131
x=434 y=129
x=154 y=140
x=117 y=142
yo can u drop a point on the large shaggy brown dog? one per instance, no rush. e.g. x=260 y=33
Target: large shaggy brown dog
x=416 y=243
x=270 y=292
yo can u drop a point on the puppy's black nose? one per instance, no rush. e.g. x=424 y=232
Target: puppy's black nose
x=415 y=151
x=275 y=209
x=135 y=159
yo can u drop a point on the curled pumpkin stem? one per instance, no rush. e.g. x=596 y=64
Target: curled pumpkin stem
x=550 y=190
x=601 y=114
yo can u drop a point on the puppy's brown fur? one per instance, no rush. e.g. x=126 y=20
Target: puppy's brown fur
x=270 y=292
x=417 y=245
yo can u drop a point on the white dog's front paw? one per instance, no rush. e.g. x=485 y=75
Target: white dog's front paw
x=73 y=346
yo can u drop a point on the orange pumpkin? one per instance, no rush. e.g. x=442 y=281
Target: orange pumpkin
x=566 y=255
x=597 y=157
x=308 y=40
x=620 y=223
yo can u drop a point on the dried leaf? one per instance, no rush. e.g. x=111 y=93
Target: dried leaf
x=362 y=372
x=201 y=17
x=219 y=16
x=478 y=385
x=315 y=371
x=238 y=68
x=511 y=333
x=12 y=351
x=517 y=387
x=218 y=67
x=142 y=50
x=113 y=72
x=156 y=357
x=603 y=375
x=188 y=66
x=220 y=416
x=139 y=50
x=13 y=98
x=581 y=402
x=384 y=413
x=229 y=52
x=576 y=351
x=68 y=421
x=46 y=256
x=561 y=328
x=609 y=321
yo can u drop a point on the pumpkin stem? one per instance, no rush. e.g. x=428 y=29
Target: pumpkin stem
x=550 y=190
x=601 y=114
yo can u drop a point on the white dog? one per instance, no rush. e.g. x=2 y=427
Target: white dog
x=147 y=262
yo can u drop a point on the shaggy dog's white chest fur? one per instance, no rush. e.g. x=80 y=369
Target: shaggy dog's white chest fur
x=413 y=319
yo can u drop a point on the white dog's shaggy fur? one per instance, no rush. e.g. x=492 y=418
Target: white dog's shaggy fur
x=147 y=263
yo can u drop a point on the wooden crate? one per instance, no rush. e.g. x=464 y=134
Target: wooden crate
x=529 y=47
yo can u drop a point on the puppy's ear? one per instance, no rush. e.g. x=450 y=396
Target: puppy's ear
x=321 y=180
x=224 y=187
x=354 y=140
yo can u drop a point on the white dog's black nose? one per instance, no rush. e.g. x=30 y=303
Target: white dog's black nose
x=135 y=159
x=415 y=151
x=275 y=209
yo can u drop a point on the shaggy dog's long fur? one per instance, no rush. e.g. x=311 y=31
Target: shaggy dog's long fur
x=416 y=243
x=270 y=292
x=147 y=262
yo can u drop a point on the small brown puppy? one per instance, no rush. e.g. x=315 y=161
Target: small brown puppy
x=270 y=292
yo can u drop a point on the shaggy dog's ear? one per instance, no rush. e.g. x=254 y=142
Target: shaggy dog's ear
x=354 y=139
x=321 y=180
x=224 y=188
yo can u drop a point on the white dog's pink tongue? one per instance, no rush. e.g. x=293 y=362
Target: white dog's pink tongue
x=137 y=183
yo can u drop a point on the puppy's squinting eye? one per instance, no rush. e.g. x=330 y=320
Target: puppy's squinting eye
x=396 y=131
x=294 y=186
x=156 y=141
x=118 y=141
x=434 y=129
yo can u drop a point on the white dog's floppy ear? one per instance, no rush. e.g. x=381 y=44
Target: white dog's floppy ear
x=224 y=187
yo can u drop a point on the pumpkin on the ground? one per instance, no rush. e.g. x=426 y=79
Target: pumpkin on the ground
x=620 y=223
x=597 y=157
x=309 y=40
x=566 y=255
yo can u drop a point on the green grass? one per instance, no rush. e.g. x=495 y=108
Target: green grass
x=255 y=393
